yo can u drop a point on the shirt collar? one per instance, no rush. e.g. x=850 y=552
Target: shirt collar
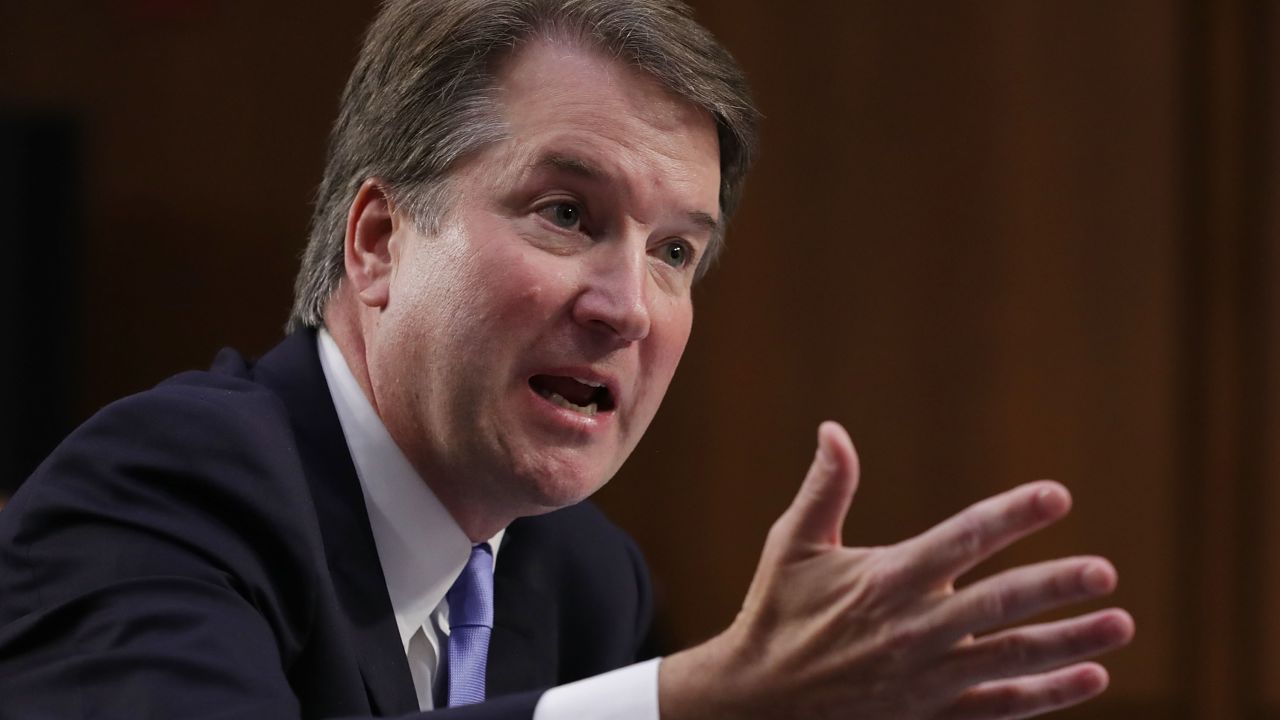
x=420 y=546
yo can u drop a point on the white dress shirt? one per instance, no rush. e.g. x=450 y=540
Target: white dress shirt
x=423 y=551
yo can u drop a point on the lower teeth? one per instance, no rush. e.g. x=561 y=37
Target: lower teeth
x=588 y=410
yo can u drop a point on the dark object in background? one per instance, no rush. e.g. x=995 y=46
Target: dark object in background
x=39 y=234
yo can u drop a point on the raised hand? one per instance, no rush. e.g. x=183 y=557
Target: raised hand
x=828 y=631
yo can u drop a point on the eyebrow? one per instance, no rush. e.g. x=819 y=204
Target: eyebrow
x=572 y=165
x=587 y=170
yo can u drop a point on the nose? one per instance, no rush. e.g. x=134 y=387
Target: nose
x=615 y=295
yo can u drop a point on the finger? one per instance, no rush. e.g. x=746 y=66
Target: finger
x=1036 y=648
x=1029 y=696
x=953 y=547
x=818 y=511
x=1022 y=592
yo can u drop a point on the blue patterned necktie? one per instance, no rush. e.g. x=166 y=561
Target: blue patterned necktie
x=470 y=625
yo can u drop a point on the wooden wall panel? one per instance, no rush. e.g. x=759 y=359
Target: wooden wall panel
x=999 y=240
x=205 y=125
x=1229 y=331
x=1266 y=199
x=963 y=240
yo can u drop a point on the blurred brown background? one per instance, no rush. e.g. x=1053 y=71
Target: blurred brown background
x=1000 y=240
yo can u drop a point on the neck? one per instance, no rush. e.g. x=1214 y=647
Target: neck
x=470 y=507
x=345 y=328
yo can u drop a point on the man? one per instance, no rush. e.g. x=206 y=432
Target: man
x=519 y=197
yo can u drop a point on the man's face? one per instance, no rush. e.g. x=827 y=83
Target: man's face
x=525 y=347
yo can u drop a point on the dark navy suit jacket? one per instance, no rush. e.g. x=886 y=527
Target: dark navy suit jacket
x=202 y=550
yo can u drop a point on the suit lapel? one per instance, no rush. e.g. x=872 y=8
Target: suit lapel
x=293 y=371
x=522 y=652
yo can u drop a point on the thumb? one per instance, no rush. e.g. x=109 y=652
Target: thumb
x=818 y=511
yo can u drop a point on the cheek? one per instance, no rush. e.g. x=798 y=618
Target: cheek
x=474 y=295
x=675 y=351
x=670 y=335
x=527 y=290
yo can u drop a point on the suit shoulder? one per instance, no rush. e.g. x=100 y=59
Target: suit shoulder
x=169 y=545
x=200 y=435
x=194 y=417
x=197 y=476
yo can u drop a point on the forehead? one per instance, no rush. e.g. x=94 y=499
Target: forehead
x=557 y=98
x=564 y=71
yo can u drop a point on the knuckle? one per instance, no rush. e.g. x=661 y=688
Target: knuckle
x=778 y=530
x=992 y=606
x=909 y=636
x=781 y=533
x=1056 y=696
x=887 y=573
x=1063 y=585
x=1079 y=643
x=1008 y=701
x=1015 y=651
x=901 y=641
x=970 y=539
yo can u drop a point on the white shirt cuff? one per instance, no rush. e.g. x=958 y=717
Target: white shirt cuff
x=629 y=693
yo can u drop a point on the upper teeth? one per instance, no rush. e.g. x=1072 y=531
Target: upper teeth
x=590 y=383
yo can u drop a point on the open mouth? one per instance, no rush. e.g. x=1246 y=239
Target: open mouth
x=581 y=396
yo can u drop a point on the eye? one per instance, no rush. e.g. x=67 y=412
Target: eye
x=676 y=253
x=565 y=215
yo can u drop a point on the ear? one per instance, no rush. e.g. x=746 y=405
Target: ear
x=367 y=251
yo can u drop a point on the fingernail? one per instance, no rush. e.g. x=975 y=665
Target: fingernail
x=823 y=456
x=1097 y=579
x=1052 y=500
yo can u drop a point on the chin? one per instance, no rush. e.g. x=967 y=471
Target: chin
x=551 y=486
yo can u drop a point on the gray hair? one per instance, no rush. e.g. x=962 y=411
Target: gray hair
x=421 y=97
